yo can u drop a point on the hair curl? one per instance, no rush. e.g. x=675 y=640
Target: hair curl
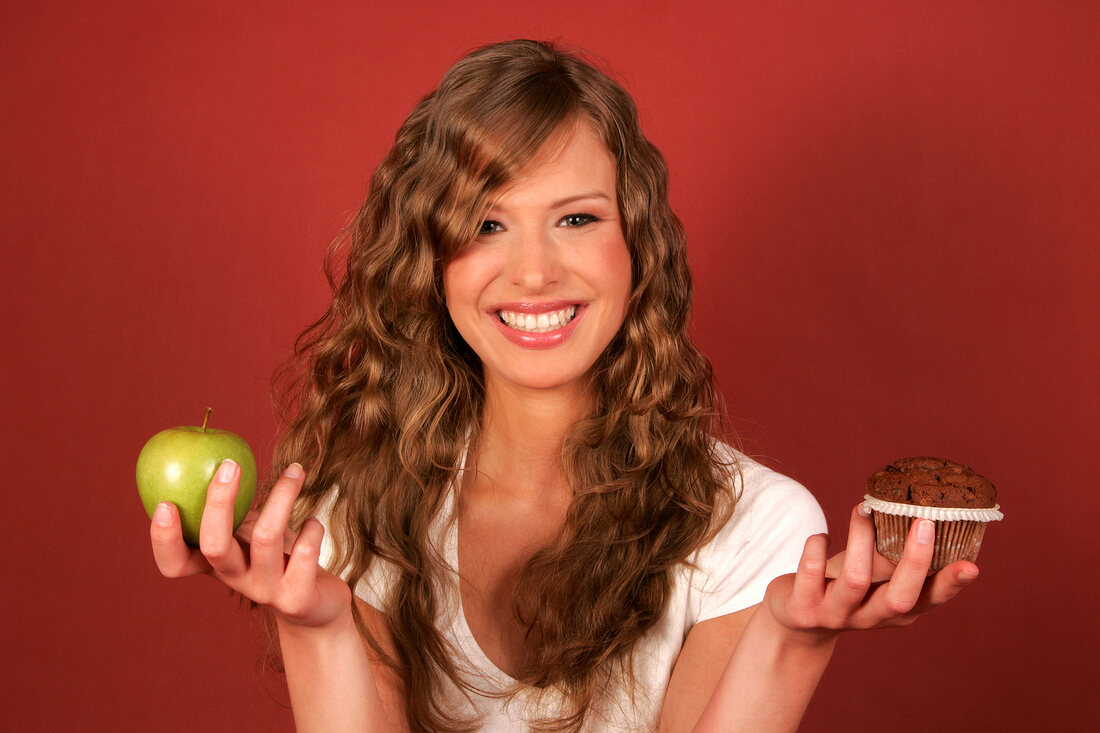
x=387 y=393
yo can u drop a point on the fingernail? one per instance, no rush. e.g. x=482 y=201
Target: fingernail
x=227 y=471
x=966 y=576
x=162 y=515
x=294 y=471
x=863 y=511
x=926 y=531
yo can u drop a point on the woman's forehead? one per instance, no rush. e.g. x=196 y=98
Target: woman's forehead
x=573 y=160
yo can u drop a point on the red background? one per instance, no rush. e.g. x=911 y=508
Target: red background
x=892 y=210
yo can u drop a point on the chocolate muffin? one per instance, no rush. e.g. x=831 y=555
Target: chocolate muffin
x=958 y=500
x=931 y=482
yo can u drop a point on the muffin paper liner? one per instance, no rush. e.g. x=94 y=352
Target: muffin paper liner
x=959 y=532
x=937 y=513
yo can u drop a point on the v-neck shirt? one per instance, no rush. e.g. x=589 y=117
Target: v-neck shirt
x=762 y=540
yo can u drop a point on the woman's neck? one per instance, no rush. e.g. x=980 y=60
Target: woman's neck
x=520 y=441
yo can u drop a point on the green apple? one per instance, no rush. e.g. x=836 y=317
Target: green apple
x=176 y=465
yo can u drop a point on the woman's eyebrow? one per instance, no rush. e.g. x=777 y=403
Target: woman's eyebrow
x=563 y=201
x=496 y=208
x=580 y=197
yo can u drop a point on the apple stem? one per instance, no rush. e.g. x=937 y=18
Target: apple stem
x=206 y=418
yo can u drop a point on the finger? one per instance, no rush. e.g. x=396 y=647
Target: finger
x=809 y=580
x=938 y=589
x=216 y=529
x=266 y=543
x=946 y=584
x=300 y=580
x=849 y=590
x=173 y=557
x=903 y=591
x=244 y=532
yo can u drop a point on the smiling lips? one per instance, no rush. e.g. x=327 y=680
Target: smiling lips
x=538 y=327
x=538 y=323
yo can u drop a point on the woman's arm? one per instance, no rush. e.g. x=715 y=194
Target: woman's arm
x=336 y=682
x=329 y=672
x=779 y=650
x=702 y=659
x=707 y=659
x=768 y=681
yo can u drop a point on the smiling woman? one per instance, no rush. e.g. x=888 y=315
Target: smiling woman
x=526 y=506
x=543 y=288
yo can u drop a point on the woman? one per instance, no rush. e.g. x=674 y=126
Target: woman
x=514 y=446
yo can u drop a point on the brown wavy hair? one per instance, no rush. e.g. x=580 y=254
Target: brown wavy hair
x=387 y=395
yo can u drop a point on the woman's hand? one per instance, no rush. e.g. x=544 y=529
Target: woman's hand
x=269 y=564
x=860 y=589
x=787 y=643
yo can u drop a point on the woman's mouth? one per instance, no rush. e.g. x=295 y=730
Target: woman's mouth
x=537 y=323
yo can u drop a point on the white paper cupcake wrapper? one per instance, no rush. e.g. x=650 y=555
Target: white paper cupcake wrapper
x=939 y=514
x=955 y=539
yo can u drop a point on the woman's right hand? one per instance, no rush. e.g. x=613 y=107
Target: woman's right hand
x=290 y=583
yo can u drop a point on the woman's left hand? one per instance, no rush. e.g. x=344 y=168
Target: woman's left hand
x=860 y=589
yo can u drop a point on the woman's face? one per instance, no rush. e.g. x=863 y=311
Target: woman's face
x=542 y=289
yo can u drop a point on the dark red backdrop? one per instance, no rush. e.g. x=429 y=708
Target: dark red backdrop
x=892 y=209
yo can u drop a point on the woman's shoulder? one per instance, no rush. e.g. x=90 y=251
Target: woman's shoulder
x=380 y=576
x=767 y=503
x=763 y=537
x=757 y=489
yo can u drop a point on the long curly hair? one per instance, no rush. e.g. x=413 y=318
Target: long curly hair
x=386 y=395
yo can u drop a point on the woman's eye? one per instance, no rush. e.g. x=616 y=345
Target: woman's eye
x=578 y=220
x=488 y=227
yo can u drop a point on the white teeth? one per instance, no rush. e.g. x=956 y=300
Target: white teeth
x=541 y=323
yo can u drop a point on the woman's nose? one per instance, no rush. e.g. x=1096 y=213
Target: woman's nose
x=535 y=261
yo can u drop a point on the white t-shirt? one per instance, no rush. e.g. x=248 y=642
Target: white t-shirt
x=762 y=540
